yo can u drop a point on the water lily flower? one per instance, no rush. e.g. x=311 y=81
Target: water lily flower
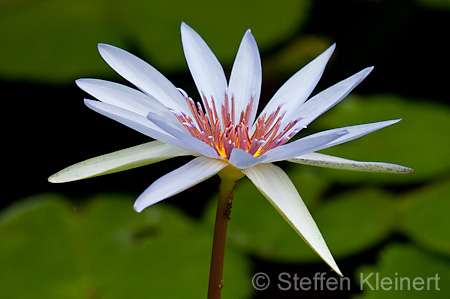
x=224 y=131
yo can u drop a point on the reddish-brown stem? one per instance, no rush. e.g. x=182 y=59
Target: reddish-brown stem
x=226 y=193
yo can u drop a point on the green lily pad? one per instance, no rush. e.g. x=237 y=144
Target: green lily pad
x=419 y=141
x=434 y=4
x=425 y=217
x=103 y=249
x=350 y=223
x=299 y=51
x=356 y=221
x=407 y=272
x=56 y=41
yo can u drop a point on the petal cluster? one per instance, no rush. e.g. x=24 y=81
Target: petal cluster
x=224 y=128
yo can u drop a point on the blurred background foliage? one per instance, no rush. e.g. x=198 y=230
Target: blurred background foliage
x=61 y=241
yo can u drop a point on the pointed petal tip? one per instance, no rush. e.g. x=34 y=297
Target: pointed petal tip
x=248 y=35
x=387 y=123
x=102 y=46
x=185 y=28
x=52 y=179
x=406 y=169
x=82 y=82
x=88 y=102
x=105 y=50
x=59 y=177
x=79 y=81
x=393 y=121
x=363 y=74
x=334 y=267
x=367 y=71
x=248 y=32
x=330 y=50
x=137 y=207
x=331 y=263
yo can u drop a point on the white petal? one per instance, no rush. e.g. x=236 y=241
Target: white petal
x=297 y=89
x=136 y=122
x=180 y=179
x=125 y=159
x=246 y=77
x=326 y=99
x=206 y=70
x=144 y=76
x=183 y=135
x=124 y=97
x=242 y=159
x=353 y=132
x=276 y=186
x=304 y=145
x=322 y=160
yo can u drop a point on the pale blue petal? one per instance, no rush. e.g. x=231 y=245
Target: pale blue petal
x=125 y=97
x=242 y=159
x=326 y=99
x=246 y=77
x=297 y=89
x=125 y=159
x=322 y=160
x=304 y=145
x=206 y=70
x=180 y=179
x=276 y=186
x=353 y=132
x=144 y=76
x=136 y=122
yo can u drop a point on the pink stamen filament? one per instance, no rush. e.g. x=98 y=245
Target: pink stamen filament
x=223 y=133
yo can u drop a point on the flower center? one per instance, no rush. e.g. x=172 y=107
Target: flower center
x=223 y=133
